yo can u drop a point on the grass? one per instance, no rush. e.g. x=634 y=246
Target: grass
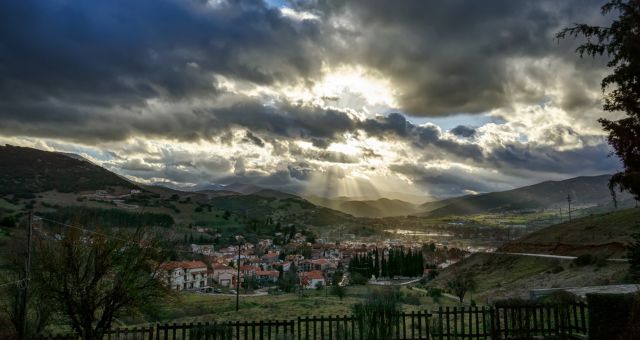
x=506 y=276
x=602 y=234
x=192 y=307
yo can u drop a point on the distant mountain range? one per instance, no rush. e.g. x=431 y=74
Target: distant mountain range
x=27 y=170
x=382 y=207
x=584 y=191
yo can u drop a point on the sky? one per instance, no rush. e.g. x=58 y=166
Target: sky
x=406 y=99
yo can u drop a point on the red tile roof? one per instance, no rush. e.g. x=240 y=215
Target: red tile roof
x=314 y=274
x=172 y=265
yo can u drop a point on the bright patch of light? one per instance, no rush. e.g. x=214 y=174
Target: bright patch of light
x=372 y=87
x=297 y=15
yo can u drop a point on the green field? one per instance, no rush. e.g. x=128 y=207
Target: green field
x=193 y=307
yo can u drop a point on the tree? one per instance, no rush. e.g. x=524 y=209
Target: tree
x=621 y=43
x=12 y=297
x=633 y=253
x=94 y=278
x=339 y=291
x=460 y=284
x=289 y=280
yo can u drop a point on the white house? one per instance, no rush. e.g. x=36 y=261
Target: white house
x=185 y=275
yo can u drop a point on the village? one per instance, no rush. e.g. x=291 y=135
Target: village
x=265 y=266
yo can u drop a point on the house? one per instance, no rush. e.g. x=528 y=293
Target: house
x=267 y=276
x=173 y=274
x=195 y=273
x=184 y=275
x=312 y=279
x=220 y=270
x=204 y=249
x=226 y=279
x=270 y=257
x=248 y=271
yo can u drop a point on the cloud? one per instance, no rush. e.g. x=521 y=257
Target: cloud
x=304 y=96
x=463 y=131
x=455 y=57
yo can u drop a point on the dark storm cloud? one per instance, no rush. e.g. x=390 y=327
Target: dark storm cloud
x=542 y=158
x=463 y=131
x=450 y=182
x=87 y=70
x=251 y=138
x=423 y=137
x=452 y=56
x=65 y=60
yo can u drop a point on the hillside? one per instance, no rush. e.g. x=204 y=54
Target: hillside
x=504 y=275
x=382 y=207
x=585 y=191
x=604 y=234
x=28 y=171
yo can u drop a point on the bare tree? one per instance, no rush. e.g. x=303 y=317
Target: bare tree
x=94 y=277
x=19 y=322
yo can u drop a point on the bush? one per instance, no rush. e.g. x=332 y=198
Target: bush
x=435 y=292
x=357 y=279
x=584 y=260
x=377 y=315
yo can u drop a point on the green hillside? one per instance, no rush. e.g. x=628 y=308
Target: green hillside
x=601 y=236
x=605 y=234
x=382 y=207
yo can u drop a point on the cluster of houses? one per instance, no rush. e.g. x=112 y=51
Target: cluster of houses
x=265 y=263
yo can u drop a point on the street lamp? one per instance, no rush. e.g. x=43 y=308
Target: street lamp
x=240 y=240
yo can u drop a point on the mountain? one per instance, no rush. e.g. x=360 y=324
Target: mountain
x=382 y=207
x=28 y=171
x=584 y=191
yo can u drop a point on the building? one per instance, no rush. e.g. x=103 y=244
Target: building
x=173 y=274
x=185 y=275
x=204 y=249
x=227 y=279
x=221 y=273
x=267 y=276
x=312 y=279
x=248 y=271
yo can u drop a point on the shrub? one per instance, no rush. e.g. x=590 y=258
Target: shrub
x=584 y=260
x=377 y=315
x=435 y=292
x=357 y=279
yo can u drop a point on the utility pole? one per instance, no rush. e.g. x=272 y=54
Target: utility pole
x=569 y=200
x=27 y=272
x=238 y=280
